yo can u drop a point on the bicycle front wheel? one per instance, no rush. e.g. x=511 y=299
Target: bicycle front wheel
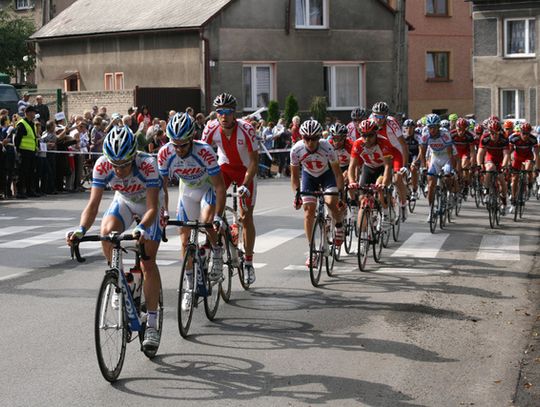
x=186 y=294
x=395 y=215
x=364 y=236
x=110 y=328
x=316 y=252
x=226 y=285
x=349 y=231
x=211 y=300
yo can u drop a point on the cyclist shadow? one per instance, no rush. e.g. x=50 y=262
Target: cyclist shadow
x=205 y=377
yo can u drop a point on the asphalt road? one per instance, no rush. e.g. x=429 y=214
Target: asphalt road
x=445 y=328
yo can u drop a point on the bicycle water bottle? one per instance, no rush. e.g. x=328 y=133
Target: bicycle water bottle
x=234 y=233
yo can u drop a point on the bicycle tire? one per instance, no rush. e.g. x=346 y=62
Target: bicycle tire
x=377 y=237
x=184 y=316
x=459 y=203
x=348 y=235
x=497 y=213
x=213 y=289
x=433 y=215
x=364 y=239
x=478 y=195
x=449 y=210
x=518 y=200
x=151 y=353
x=396 y=224
x=110 y=361
x=316 y=252
x=225 y=287
x=491 y=211
x=412 y=205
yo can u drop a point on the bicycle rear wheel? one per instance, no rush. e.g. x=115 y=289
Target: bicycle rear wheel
x=412 y=204
x=364 y=238
x=491 y=210
x=110 y=328
x=316 y=252
x=213 y=288
x=226 y=285
x=459 y=202
x=378 y=234
x=348 y=234
x=150 y=353
x=396 y=224
x=441 y=199
x=186 y=288
x=519 y=200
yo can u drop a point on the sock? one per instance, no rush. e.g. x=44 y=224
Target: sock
x=339 y=225
x=248 y=259
x=189 y=276
x=151 y=322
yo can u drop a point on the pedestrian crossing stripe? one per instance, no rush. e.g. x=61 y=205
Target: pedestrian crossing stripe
x=499 y=247
x=422 y=245
x=12 y=230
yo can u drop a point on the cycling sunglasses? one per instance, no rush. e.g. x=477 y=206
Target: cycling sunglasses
x=366 y=135
x=121 y=164
x=181 y=146
x=224 y=112
x=379 y=116
x=315 y=138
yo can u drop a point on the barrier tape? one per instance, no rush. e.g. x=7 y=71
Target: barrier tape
x=278 y=150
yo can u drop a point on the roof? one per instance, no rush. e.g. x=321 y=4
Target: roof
x=91 y=17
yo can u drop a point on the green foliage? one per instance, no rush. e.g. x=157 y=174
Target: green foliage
x=291 y=108
x=318 y=108
x=14 y=32
x=273 y=112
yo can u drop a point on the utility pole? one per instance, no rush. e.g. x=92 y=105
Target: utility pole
x=401 y=60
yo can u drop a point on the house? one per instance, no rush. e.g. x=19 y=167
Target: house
x=440 y=57
x=258 y=50
x=506 y=58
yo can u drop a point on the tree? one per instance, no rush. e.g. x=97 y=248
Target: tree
x=318 y=108
x=14 y=32
x=273 y=111
x=291 y=108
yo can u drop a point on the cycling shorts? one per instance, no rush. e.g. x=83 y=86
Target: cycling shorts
x=325 y=182
x=191 y=200
x=495 y=161
x=369 y=175
x=518 y=161
x=126 y=211
x=397 y=161
x=439 y=164
x=231 y=175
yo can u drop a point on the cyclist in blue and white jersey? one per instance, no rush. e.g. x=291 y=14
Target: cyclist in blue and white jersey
x=135 y=178
x=439 y=142
x=201 y=188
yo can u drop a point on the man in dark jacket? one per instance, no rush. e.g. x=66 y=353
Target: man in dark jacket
x=43 y=111
x=26 y=144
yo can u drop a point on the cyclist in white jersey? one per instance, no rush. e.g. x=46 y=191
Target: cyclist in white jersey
x=357 y=115
x=201 y=185
x=135 y=178
x=316 y=161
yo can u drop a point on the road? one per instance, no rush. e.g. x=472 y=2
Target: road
x=445 y=328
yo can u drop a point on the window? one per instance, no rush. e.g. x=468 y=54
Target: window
x=520 y=37
x=311 y=13
x=257 y=85
x=109 y=81
x=72 y=83
x=437 y=66
x=343 y=86
x=24 y=4
x=513 y=103
x=436 y=7
x=114 y=81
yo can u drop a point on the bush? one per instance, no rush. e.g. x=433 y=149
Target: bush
x=291 y=108
x=273 y=112
x=318 y=108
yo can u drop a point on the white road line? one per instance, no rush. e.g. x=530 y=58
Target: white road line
x=131 y=262
x=274 y=238
x=296 y=267
x=8 y=217
x=499 y=247
x=421 y=245
x=36 y=240
x=51 y=219
x=11 y=230
x=387 y=270
x=14 y=276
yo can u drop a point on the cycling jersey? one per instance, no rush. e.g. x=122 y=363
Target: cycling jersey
x=353 y=133
x=392 y=131
x=438 y=147
x=413 y=143
x=462 y=142
x=314 y=163
x=494 y=149
x=523 y=149
x=373 y=156
x=343 y=153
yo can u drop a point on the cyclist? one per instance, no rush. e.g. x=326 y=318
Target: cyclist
x=464 y=142
x=508 y=129
x=523 y=149
x=357 y=115
x=390 y=129
x=201 y=184
x=494 y=152
x=440 y=144
x=445 y=124
x=453 y=118
x=315 y=166
x=135 y=178
x=412 y=136
x=343 y=146
x=374 y=154
x=238 y=158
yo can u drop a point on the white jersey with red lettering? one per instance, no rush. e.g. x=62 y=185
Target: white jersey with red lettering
x=373 y=156
x=234 y=151
x=353 y=133
x=314 y=163
x=393 y=132
x=144 y=175
x=194 y=170
x=343 y=153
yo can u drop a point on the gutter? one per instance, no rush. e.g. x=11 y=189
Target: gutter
x=206 y=66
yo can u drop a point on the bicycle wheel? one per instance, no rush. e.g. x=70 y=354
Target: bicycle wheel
x=497 y=210
x=331 y=259
x=459 y=203
x=396 y=224
x=433 y=215
x=211 y=300
x=225 y=287
x=478 y=195
x=378 y=234
x=151 y=353
x=491 y=210
x=186 y=289
x=442 y=209
x=349 y=234
x=110 y=328
x=518 y=200
x=364 y=239
x=316 y=252
x=450 y=204
x=412 y=204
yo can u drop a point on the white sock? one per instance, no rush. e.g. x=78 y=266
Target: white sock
x=151 y=322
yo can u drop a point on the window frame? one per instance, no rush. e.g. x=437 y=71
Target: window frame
x=527 y=43
x=325 y=11
x=436 y=79
x=435 y=14
x=516 y=100
x=108 y=78
x=31 y=5
x=333 y=92
x=118 y=75
x=253 y=67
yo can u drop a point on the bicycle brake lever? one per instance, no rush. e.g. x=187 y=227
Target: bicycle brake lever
x=75 y=251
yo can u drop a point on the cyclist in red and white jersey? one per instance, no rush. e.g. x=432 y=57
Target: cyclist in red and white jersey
x=357 y=115
x=238 y=158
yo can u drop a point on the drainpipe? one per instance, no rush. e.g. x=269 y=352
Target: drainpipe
x=400 y=54
x=288 y=17
x=206 y=63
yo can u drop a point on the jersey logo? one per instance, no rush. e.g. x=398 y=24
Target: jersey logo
x=314 y=165
x=207 y=156
x=146 y=168
x=103 y=168
x=186 y=172
x=163 y=155
x=128 y=189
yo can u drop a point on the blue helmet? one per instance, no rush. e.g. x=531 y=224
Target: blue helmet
x=433 y=120
x=120 y=144
x=180 y=127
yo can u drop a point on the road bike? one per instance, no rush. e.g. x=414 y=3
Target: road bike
x=476 y=188
x=522 y=192
x=120 y=315
x=492 y=199
x=441 y=209
x=199 y=287
x=350 y=223
x=393 y=209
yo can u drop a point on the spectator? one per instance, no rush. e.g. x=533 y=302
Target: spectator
x=158 y=140
x=41 y=179
x=103 y=113
x=144 y=116
x=142 y=137
x=95 y=111
x=267 y=137
x=63 y=142
x=199 y=126
x=43 y=111
x=132 y=113
x=282 y=141
x=191 y=112
x=97 y=135
x=49 y=138
x=171 y=113
x=295 y=129
x=26 y=144
x=23 y=104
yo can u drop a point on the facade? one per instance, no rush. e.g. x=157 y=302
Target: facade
x=440 y=57
x=256 y=49
x=506 y=58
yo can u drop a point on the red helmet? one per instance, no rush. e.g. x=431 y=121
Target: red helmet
x=478 y=130
x=508 y=125
x=494 y=125
x=462 y=123
x=368 y=126
x=526 y=128
x=494 y=118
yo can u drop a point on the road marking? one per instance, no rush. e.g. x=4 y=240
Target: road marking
x=36 y=240
x=7 y=217
x=11 y=230
x=387 y=270
x=275 y=238
x=296 y=267
x=16 y=275
x=51 y=219
x=421 y=245
x=131 y=262
x=499 y=247
x=269 y=210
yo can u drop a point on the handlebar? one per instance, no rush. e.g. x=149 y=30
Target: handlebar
x=189 y=224
x=319 y=193
x=113 y=237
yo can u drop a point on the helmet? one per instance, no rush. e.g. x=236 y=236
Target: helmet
x=225 y=99
x=433 y=119
x=408 y=123
x=508 y=125
x=120 y=144
x=462 y=123
x=359 y=114
x=419 y=123
x=453 y=117
x=338 y=129
x=494 y=125
x=526 y=128
x=180 y=127
x=485 y=123
x=380 y=108
x=479 y=130
x=494 y=118
x=445 y=124
x=368 y=126
x=311 y=128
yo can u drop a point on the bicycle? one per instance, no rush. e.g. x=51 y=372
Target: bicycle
x=492 y=200
x=476 y=188
x=350 y=225
x=120 y=311
x=439 y=210
x=522 y=194
x=394 y=214
x=422 y=181
x=322 y=245
x=201 y=286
